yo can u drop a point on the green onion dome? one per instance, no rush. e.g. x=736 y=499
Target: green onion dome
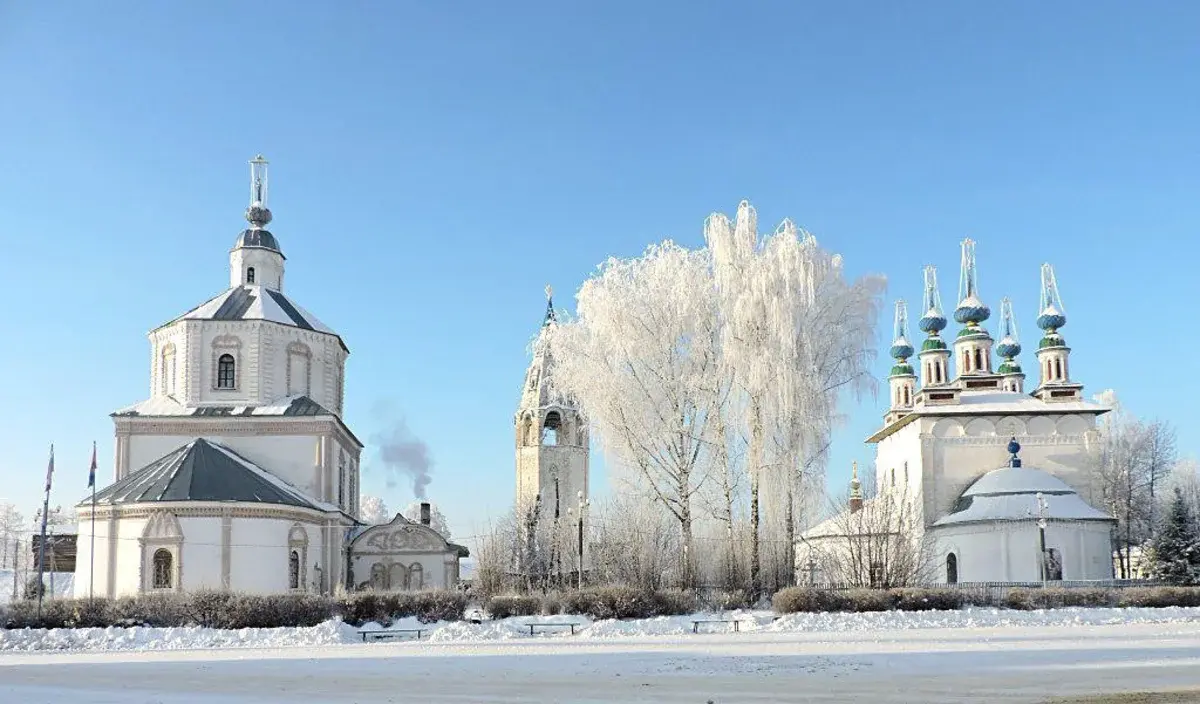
x=1052 y=339
x=902 y=369
x=933 y=343
x=1010 y=366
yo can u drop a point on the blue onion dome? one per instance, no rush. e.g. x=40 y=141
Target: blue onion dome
x=902 y=369
x=1008 y=348
x=901 y=349
x=932 y=322
x=1051 y=339
x=972 y=310
x=1009 y=366
x=1051 y=318
x=933 y=343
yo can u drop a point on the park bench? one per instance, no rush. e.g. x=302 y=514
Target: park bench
x=391 y=634
x=735 y=621
x=533 y=626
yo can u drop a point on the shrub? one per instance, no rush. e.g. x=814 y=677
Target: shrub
x=513 y=605
x=439 y=605
x=926 y=599
x=1158 y=597
x=552 y=604
x=674 y=602
x=728 y=600
x=806 y=600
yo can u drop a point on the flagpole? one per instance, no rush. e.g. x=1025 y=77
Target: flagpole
x=41 y=587
x=92 y=569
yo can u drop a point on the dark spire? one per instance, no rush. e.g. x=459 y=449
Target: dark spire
x=550 y=317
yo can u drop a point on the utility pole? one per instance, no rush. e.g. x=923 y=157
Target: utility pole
x=1043 y=508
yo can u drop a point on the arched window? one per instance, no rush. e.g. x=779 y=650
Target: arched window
x=379 y=576
x=550 y=428
x=416 y=577
x=952 y=569
x=226 y=372
x=168 y=369
x=398 y=577
x=294 y=570
x=1058 y=370
x=979 y=360
x=250 y=275
x=341 y=493
x=163 y=569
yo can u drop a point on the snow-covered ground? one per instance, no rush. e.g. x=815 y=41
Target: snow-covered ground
x=516 y=629
x=1005 y=663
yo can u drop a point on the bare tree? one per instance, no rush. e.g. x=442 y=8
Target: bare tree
x=1132 y=460
x=11 y=525
x=633 y=544
x=880 y=546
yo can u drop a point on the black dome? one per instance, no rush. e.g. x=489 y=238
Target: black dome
x=258 y=238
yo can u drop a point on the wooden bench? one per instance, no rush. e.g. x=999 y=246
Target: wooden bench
x=735 y=621
x=533 y=626
x=391 y=634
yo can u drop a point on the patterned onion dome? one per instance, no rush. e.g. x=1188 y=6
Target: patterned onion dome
x=972 y=310
x=903 y=369
x=932 y=322
x=1051 y=318
x=972 y=331
x=1052 y=339
x=1009 y=366
x=933 y=343
x=1008 y=348
x=901 y=349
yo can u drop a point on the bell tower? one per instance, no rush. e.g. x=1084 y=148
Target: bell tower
x=551 y=436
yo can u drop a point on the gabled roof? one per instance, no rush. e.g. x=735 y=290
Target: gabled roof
x=256 y=303
x=203 y=470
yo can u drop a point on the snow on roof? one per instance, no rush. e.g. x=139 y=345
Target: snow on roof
x=168 y=406
x=1017 y=480
x=996 y=402
x=256 y=303
x=1011 y=494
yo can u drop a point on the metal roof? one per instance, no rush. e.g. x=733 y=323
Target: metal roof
x=292 y=406
x=256 y=303
x=203 y=470
x=1011 y=494
x=257 y=237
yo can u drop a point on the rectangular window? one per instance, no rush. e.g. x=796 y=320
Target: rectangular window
x=342 y=480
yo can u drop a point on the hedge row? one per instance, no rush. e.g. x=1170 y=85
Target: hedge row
x=229 y=610
x=808 y=600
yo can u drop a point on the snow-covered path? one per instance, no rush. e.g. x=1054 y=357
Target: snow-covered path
x=958 y=665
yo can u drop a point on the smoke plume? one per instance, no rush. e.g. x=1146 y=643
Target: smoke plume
x=404 y=456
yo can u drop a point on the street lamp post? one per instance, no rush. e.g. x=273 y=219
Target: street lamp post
x=1043 y=509
x=583 y=504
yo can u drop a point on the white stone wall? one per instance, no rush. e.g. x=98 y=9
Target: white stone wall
x=1009 y=552
x=267 y=357
x=435 y=574
x=268 y=267
x=255 y=551
x=945 y=454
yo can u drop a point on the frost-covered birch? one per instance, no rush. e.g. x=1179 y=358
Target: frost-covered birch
x=640 y=359
x=795 y=337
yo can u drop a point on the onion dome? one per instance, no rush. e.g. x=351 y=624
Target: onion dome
x=933 y=343
x=973 y=331
x=1009 y=345
x=1051 y=318
x=972 y=311
x=1051 y=339
x=932 y=322
x=1053 y=315
x=902 y=369
x=1009 y=366
x=902 y=349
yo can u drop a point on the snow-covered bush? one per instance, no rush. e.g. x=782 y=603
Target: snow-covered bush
x=513 y=605
x=1159 y=597
x=1058 y=597
x=628 y=602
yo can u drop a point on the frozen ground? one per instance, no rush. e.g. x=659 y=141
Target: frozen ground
x=980 y=657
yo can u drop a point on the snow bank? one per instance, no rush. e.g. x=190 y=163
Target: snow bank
x=517 y=628
x=194 y=637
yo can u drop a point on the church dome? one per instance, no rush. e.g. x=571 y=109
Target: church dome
x=1012 y=493
x=256 y=237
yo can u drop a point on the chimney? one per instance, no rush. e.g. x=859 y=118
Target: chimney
x=425 y=518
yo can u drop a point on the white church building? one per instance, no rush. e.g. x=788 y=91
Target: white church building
x=238 y=472
x=995 y=482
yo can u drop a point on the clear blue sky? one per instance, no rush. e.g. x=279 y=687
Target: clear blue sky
x=435 y=165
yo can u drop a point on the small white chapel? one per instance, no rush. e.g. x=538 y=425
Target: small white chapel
x=997 y=481
x=238 y=472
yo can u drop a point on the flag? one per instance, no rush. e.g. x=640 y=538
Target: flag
x=92 y=471
x=50 y=469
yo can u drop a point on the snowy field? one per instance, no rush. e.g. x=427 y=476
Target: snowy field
x=63 y=584
x=978 y=655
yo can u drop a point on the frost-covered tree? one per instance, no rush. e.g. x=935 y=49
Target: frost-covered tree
x=11 y=525
x=640 y=357
x=437 y=519
x=372 y=510
x=795 y=336
x=1176 y=554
